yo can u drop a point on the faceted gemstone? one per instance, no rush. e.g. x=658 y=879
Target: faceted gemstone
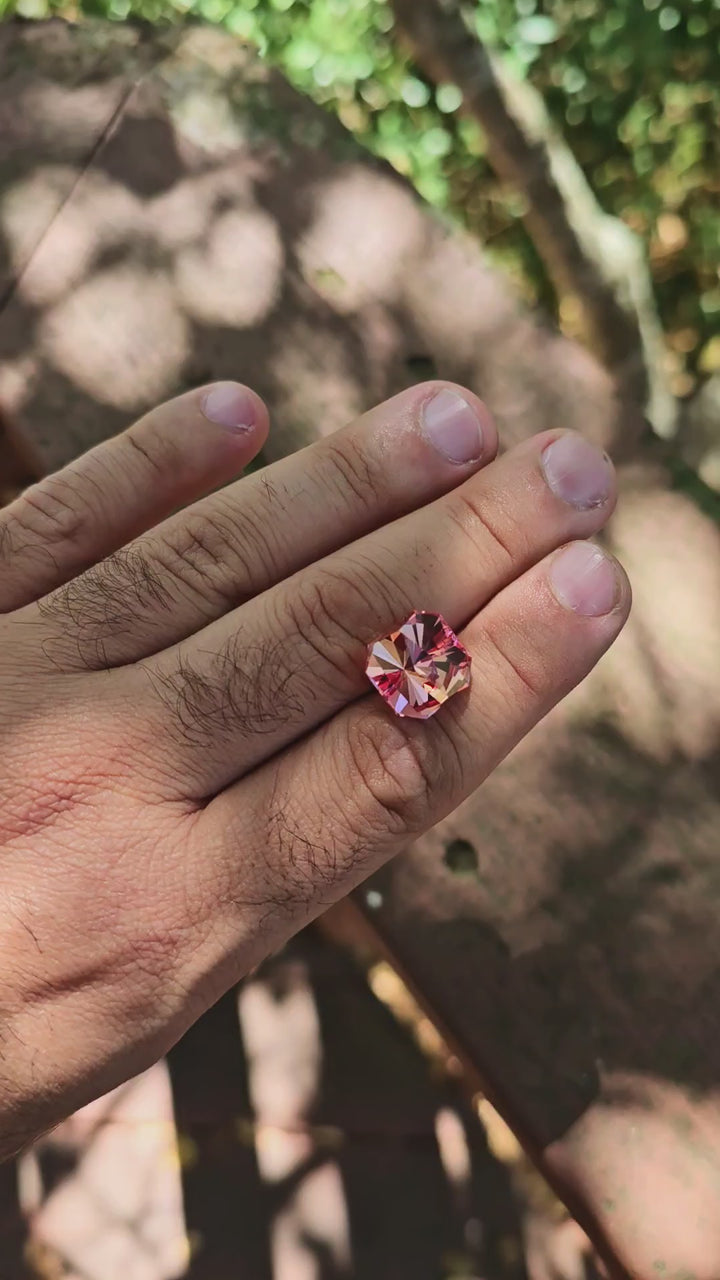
x=419 y=666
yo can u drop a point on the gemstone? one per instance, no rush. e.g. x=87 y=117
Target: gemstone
x=419 y=666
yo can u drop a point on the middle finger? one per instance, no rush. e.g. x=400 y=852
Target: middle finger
x=249 y=684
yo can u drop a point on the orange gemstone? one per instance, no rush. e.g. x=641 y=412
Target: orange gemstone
x=419 y=666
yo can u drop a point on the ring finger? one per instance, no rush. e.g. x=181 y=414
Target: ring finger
x=271 y=671
x=340 y=803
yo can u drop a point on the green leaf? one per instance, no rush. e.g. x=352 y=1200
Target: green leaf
x=697 y=26
x=32 y=8
x=573 y=80
x=710 y=302
x=243 y=25
x=302 y=54
x=414 y=92
x=486 y=26
x=537 y=30
x=448 y=98
x=436 y=142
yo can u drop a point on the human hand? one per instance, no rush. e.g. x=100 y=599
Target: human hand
x=193 y=764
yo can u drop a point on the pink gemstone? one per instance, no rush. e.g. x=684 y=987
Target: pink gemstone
x=419 y=666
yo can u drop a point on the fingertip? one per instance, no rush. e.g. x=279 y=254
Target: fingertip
x=457 y=423
x=625 y=598
x=588 y=581
x=235 y=407
x=578 y=473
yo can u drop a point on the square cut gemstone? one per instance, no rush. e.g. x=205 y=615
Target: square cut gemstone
x=419 y=666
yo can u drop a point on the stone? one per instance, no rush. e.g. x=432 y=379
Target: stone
x=419 y=666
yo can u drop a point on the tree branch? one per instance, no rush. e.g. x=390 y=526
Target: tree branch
x=590 y=256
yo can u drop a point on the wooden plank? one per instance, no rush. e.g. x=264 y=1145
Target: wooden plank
x=314 y=1139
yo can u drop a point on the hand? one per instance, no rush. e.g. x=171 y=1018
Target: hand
x=193 y=764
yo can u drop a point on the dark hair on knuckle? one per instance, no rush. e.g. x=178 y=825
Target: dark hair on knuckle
x=242 y=689
x=103 y=601
x=307 y=866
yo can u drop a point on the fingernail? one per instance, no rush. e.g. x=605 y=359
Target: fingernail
x=229 y=405
x=453 y=427
x=585 y=580
x=577 y=472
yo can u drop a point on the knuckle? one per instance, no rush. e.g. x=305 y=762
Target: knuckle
x=356 y=481
x=201 y=556
x=217 y=553
x=481 y=519
x=248 y=529
x=524 y=676
x=103 y=601
x=243 y=688
x=51 y=513
x=393 y=770
x=155 y=450
x=329 y=613
x=304 y=864
x=197 y=703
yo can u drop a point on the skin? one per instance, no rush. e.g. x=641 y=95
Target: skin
x=193 y=763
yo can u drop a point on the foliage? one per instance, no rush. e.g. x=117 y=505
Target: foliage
x=634 y=85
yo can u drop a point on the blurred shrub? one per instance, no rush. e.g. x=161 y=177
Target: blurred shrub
x=633 y=84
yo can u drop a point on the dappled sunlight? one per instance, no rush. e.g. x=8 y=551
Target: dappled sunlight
x=315 y=381
x=672 y=554
x=465 y=315
x=365 y=233
x=469 y=315
x=312 y=1230
x=116 y=1214
x=105 y=337
x=183 y=215
x=281 y=1034
x=173 y=264
x=56 y=128
x=647 y=1155
x=51 y=112
x=28 y=207
x=204 y=113
x=236 y=276
x=625 y=685
x=17 y=381
x=453 y=1147
x=659 y=682
x=103 y=213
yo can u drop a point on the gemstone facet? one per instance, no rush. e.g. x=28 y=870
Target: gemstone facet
x=419 y=666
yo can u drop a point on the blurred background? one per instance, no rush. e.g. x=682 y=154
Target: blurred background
x=632 y=88
x=331 y=199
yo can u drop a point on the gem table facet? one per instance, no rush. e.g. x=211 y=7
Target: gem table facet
x=419 y=666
